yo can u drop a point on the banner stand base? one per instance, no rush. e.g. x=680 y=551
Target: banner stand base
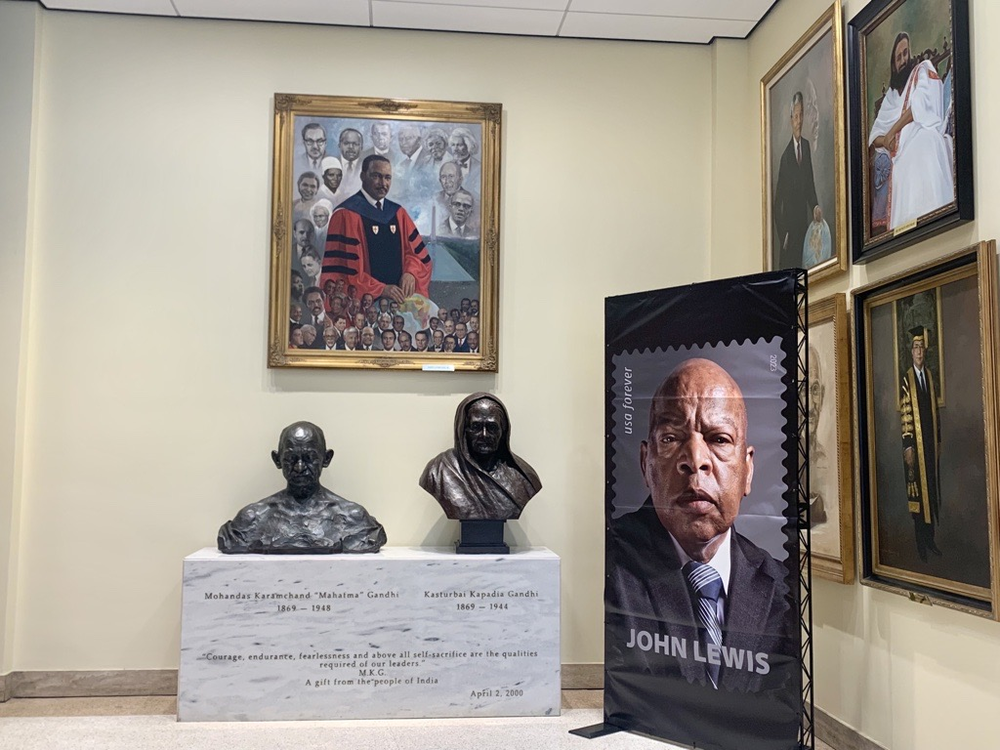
x=596 y=730
x=482 y=537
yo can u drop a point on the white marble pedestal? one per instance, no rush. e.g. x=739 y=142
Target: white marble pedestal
x=408 y=632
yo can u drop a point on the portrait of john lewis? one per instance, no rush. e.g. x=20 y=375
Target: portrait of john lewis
x=715 y=607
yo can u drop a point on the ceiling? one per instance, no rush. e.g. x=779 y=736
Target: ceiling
x=697 y=21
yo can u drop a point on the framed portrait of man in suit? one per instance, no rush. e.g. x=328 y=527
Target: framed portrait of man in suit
x=927 y=438
x=802 y=151
x=385 y=234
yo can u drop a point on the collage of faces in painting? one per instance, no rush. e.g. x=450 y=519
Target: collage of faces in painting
x=385 y=235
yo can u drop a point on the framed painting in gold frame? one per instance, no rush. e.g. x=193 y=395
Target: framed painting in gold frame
x=385 y=234
x=927 y=470
x=831 y=478
x=803 y=153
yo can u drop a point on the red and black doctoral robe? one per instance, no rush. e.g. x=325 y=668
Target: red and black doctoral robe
x=371 y=248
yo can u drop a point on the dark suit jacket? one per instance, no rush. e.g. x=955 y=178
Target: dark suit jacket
x=309 y=318
x=794 y=200
x=471 y=229
x=471 y=179
x=646 y=591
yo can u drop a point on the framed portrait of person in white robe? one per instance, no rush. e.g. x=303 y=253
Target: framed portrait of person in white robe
x=911 y=123
x=802 y=151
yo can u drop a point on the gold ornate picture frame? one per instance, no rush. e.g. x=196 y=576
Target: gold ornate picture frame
x=928 y=473
x=803 y=153
x=385 y=238
x=831 y=471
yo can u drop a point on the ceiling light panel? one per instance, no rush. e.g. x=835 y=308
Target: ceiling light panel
x=650 y=28
x=338 y=12
x=138 y=7
x=742 y=10
x=465 y=18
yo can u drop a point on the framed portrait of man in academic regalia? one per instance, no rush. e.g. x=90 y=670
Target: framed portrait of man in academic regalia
x=385 y=234
x=911 y=123
x=927 y=431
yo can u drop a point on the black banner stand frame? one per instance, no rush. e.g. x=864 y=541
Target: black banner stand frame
x=807 y=730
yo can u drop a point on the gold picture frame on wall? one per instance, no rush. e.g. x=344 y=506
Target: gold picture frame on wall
x=928 y=473
x=831 y=471
x=385 y=238
x=803 y=153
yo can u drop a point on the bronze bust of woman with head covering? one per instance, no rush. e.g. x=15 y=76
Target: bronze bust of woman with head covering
x=481 y=478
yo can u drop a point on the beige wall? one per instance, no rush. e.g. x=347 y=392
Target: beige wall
x=150 y=413
x=150 y=410
x=19 y=24
x=906 y=675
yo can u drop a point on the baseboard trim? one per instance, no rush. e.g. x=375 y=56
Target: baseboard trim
x=837 y=734
x=139 y=682
x=104 y=683
x=583 y=677
x=93 y=684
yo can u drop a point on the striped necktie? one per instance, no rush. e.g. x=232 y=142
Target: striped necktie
x=706 y=585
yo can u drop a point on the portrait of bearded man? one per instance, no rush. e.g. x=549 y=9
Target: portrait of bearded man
x=911 y=128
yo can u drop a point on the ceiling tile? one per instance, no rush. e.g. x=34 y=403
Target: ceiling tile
x=463 y=18
x=752 y=10
x=655 y=20
x=650 y=28
x=138 y=7
x=341 y=12
x=559 y=5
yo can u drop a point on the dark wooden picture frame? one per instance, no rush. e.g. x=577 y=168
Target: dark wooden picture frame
x=888 y=151
x=928 y=471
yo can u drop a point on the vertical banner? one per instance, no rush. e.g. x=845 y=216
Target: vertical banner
x=705 y=473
